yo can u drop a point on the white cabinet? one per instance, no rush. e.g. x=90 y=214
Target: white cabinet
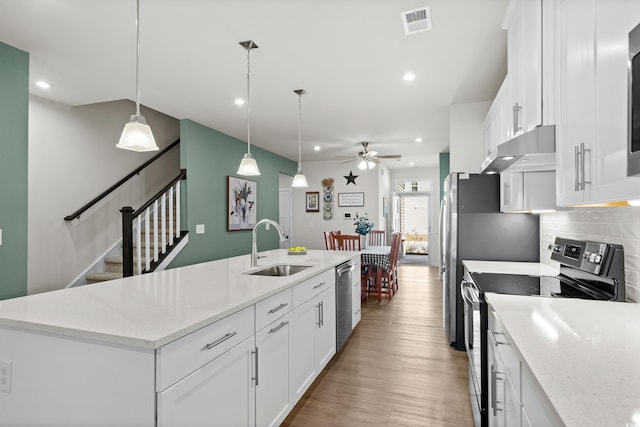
x=497 y=127
x=273 y=394
x=221 y=393
x=524 y=64
x=313 y=330
x=356 y=296
x=576 y=103
x=515 y=398
x=592 y=105
x=527 y=191
x=504 y=401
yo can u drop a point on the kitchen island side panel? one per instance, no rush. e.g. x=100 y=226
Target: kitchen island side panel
x=55 y=380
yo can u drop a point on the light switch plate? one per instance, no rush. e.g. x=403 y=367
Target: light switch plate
x=199 y=228
x=5 y=376
x=0 y=236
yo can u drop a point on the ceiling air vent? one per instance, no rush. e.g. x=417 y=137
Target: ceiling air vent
x=417 y=20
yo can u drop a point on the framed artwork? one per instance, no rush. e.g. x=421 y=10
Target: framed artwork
x=313 y=201
x=242 y=195
x=351 y=199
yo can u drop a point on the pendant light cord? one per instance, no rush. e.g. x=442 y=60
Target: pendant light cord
x=248 y=100
x=137 y=57
x=300 y=131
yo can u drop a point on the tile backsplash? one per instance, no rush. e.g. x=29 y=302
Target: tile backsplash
x=611 y=225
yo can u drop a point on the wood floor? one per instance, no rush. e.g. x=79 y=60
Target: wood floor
x=397 y=369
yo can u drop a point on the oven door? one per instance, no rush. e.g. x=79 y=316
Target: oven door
x=472 y=342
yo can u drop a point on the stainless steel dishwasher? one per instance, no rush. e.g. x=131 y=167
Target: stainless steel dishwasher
x=344 y=286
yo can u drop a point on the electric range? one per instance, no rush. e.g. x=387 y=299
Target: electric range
x=588 y=270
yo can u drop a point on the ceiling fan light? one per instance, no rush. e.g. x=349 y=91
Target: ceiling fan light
x=248 y=166
x=362 y=165
x=371 y=164
x=137 y=136
x=299 y=181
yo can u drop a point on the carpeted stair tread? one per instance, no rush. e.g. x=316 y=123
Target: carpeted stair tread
x=103 y=276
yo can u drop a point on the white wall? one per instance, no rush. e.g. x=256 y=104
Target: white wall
x=72 y=159
x=619 y=225
x=466 y=133
x=431 y=175
x=308 y=227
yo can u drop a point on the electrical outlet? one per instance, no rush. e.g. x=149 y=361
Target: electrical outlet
x=0 y=236
x=199 y=228
x=5 y=376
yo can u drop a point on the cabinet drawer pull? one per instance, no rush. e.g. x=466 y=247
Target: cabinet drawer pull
x=220 y=340
x=280 y=307
x=277 y=328
x=319 y=285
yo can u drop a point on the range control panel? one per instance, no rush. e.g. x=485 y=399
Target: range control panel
x=582 y=254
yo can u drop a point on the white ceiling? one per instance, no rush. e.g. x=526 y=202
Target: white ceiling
x=349 y=55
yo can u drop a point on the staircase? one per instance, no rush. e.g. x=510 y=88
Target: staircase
x=145 y=219
x=136 y=253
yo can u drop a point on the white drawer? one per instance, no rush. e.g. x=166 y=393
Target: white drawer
x=309 y=288
x=273 y=308
x=179 y=358
x=503 y=346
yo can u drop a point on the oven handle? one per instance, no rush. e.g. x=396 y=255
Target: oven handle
x=469 y=294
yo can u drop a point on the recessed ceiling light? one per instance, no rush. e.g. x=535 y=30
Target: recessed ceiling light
x=42 y=84
x=316 y=148
x=239 y=101
x=408 y=76
x=418 y=139
x=411 y=163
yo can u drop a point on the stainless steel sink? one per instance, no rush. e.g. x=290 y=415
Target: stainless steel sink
x=279 y=270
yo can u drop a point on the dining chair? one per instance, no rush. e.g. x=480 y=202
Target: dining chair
x=328 y=239
x=346 y=242
x=386 y=279
x=376 y=238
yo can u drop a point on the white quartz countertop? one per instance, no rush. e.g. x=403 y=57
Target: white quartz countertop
x=151 y=310
x=506 y=267
x=585 y=354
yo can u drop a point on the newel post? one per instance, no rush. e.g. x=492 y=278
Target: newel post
x=127 y=241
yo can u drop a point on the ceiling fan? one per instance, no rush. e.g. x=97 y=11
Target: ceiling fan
x=368 y=159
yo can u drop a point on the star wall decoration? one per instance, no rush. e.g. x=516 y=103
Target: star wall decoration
x=351 y=178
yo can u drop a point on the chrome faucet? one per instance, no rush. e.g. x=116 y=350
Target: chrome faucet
x=254 y=246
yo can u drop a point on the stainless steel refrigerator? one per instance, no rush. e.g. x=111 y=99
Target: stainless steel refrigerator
x=472 y=228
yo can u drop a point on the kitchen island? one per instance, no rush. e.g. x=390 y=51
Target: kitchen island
x=581 y=355
x=104 y=354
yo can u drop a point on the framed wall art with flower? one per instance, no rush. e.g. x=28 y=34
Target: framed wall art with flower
x=242 y=195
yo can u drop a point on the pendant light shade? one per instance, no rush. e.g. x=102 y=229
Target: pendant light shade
x=137 y=135
x=299 y=180
x=248 y=165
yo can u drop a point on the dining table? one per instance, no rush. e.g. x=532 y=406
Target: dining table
x=379 y=258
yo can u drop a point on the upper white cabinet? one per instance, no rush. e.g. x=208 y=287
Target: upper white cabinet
x=526 y=98
x=591 y=63
x=524 y=64
x=527 y=191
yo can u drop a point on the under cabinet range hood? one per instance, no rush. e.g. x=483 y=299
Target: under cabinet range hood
x=534 y=150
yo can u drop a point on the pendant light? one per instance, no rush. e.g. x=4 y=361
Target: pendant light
x=137 y=135
x=248 y=165
x=299 y=180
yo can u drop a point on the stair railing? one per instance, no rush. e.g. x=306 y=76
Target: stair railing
x=115 y=186
x=155 y=217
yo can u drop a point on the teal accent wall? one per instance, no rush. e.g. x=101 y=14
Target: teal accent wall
x=209 y=157
x=14 y=112
x=444 y=171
